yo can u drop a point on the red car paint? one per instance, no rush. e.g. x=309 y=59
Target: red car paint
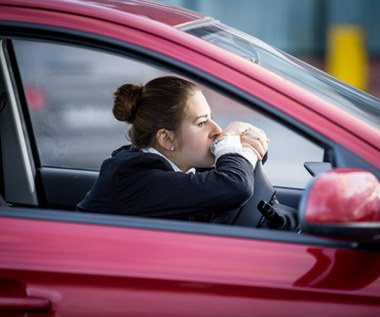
x=100 y=270
x=355 y=197
x=65 y=268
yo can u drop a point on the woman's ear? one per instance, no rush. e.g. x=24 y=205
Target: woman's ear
x=165 y=138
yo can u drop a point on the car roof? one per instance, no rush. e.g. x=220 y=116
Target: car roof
x=115 y=9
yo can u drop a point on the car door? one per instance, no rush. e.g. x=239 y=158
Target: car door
x=61 y=262
x=118 y=266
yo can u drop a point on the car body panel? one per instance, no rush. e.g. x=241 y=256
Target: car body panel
x=182 y=274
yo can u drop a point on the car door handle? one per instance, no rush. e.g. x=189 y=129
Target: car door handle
x=25 y=303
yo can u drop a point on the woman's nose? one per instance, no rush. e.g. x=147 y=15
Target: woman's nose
x=216 y=130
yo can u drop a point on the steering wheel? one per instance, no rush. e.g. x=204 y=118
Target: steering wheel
x=248 y=215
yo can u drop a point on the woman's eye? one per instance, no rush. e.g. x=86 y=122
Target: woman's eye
x=201 y=124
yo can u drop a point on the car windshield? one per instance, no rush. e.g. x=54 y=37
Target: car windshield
x=355 y=101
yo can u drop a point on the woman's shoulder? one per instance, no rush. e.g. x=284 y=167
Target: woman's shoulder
x=125 y=151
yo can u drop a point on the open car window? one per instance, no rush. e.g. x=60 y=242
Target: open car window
x=69 y=91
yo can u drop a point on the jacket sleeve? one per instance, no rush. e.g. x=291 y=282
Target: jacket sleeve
x=149 y=188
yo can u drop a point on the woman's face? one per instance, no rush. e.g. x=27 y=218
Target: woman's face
x=196 y=134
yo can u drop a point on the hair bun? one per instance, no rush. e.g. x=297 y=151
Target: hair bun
x=125 y=102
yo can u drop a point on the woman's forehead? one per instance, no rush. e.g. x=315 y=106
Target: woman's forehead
x=198 y=105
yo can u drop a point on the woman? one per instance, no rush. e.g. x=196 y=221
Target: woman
x=181 y=165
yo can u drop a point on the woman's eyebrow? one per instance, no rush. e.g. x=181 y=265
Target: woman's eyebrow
x=199 y=117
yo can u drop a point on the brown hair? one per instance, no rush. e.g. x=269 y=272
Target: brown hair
x=160 y=104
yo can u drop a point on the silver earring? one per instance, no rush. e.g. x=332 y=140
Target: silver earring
x=172 y=148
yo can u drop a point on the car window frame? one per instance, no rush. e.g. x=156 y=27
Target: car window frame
x=63 y=160
x=82 y=39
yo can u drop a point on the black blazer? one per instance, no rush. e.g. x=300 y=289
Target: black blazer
x=132 y=182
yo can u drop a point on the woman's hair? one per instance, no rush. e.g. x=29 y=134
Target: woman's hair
x=161 y=104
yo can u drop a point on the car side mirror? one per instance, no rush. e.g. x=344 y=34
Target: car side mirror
x=342 y=204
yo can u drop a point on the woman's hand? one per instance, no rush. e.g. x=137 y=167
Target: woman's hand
x=255 y=139
x=250 y=137
x=235 y=128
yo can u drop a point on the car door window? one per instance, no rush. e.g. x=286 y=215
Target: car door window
x=69 y=91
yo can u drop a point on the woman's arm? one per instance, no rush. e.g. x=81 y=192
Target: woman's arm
x=149 y=187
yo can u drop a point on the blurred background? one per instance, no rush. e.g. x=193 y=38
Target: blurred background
x=341 y=37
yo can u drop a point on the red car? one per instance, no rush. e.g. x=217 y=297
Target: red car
x=61 y=60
